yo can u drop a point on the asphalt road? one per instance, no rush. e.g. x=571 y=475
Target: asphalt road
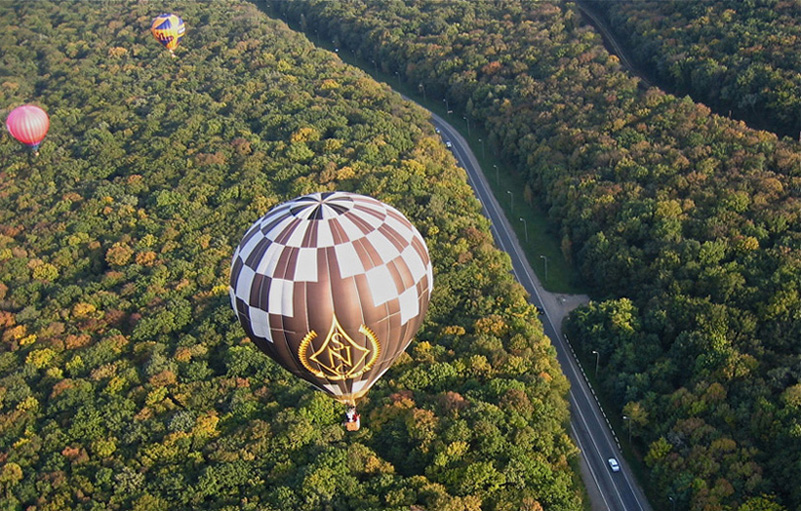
x=608 y=491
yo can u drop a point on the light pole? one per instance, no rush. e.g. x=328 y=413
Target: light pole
x=398 y=75
x=497 y=177
x=447 y=107
x=525 y=227
x=672 y=502
x=468 y=124
x=597 y=358
x=423 y=89
x=482 y=147
x=628 y=419
x=375 y=66
x=546 y=266
x=511 y=200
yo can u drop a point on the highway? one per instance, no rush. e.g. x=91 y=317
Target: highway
x=608 y=490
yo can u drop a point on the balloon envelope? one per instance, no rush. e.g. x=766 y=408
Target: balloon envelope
x=168 y=29
x=332 y=286
x=28 y=124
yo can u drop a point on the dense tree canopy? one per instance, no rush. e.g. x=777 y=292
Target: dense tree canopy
x=731 y=55
x=125 y=380
x=685 y=223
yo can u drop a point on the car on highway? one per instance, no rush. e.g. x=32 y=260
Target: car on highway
x=613 y=464
x=448 y=144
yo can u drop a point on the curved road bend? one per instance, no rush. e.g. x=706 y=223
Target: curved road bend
x=612 y=45
x=609 y=491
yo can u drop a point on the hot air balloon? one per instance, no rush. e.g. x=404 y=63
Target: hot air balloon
x=168 y=29
x=332 y=286
x=29 y=125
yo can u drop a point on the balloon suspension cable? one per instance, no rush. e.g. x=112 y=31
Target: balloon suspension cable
x=349 y=401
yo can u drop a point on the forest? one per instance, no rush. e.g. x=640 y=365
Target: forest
x=126 y=382
x=735 y=56
x=684 y=223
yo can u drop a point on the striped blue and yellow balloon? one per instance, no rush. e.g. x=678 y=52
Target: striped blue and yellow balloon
x=168 y=29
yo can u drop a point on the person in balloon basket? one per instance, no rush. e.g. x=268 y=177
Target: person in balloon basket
x=352 y=422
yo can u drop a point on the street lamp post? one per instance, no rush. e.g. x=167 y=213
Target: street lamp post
x=468 y=124
x=497 y=176
x=482 y=147
x=511 y=200
x=423 y=89
x=597 y=358
x=546 y=266
x=525 y=227
x=628 y=419
x=672 y=502
x=398 y=75
x=447 y=107
x=375 y=66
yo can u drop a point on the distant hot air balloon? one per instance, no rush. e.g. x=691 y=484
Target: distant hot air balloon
x=29 y=125
x=168 y=29
x=332 y=286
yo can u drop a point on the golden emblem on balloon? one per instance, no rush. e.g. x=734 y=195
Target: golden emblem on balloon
x=339 y=357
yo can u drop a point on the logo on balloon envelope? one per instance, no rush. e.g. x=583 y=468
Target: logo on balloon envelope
x=326 y=254
x=339 y=357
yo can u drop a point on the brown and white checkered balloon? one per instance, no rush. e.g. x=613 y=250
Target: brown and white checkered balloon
x=332 y=286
